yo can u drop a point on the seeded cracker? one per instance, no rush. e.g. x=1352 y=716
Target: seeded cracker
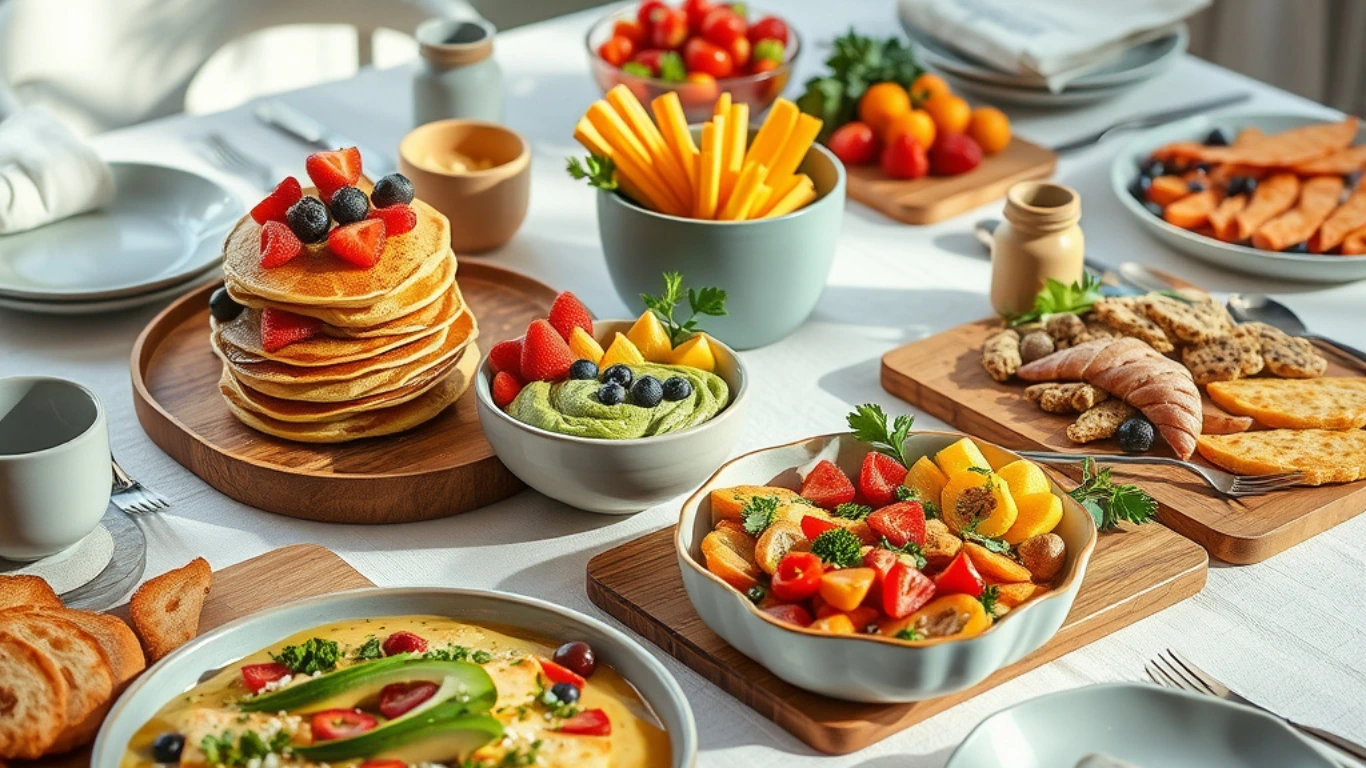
x=1126 y=315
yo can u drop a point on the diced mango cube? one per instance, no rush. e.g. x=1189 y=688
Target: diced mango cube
x=696 y=352
x=926 y=479
x=957 y=458
x=650 y=338
x=621 y=351
x=1038 y=513
x=1023 y=477
x=584 y=347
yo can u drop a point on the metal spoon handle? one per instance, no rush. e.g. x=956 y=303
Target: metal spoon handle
x=1345 y=349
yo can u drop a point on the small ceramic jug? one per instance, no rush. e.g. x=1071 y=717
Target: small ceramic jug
x=1040 y=240
x=456 y=75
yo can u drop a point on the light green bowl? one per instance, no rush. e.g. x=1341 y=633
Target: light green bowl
x=773 y=270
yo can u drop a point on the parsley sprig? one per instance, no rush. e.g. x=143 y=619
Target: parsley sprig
x=312 y=656
x=1109 y=503
x=855 y=63
x=706 y=301
x=1056 y=298
x=990 y=594
x=224 y=750
x=869 y=424
x=598 y=170
x=989 y=543
x=759 y=513
x=852 y=511
x=909 y=548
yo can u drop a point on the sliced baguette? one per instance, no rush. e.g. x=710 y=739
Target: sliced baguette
x=83 y=665
x=165 y=610
x=36 y=694
x=20 y=591
x=114 y=637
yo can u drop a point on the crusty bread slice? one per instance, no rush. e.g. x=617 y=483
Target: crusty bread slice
x=36 y=694
x=166 y=609
x=18 y=591
x=117 y=641
x=83 y=665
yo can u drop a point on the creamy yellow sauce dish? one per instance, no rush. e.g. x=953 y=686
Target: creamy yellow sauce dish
x=407 y=691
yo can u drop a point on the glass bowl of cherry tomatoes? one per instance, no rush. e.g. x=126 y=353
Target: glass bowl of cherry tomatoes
x=700 y=49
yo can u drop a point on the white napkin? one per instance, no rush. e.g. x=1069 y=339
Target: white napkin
x=1051 y=41
x=47 y=172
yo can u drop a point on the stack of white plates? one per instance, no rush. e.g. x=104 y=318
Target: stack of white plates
x=161 y=236
x=966 y=73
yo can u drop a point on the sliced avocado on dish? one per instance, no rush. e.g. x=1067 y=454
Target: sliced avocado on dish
x=444 y=733
x=462 y=682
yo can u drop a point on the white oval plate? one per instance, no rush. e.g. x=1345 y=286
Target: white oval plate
x=1303 y=267
x=1145 y=725
x=181 y=670
x=100 y=306
x=1040 y=98
x=164 y=226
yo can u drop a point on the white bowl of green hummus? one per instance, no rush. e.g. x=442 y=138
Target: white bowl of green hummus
x=558 y=438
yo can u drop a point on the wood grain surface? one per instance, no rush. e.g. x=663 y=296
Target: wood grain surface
x=441 y=468
x=942 y=375
x=1133 y=573
x=935 y=198
x=273 y=579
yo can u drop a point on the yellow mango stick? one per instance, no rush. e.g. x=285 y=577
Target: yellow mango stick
x=627 y=175
x=795 y=148
x=801 y=195
x=742 y=198
x=628 y=106
x=780 y=190
x=733 y=154
x=619 y=136
x=761 y=197
x=722 y=106
x=668 y=112
x=709 y=169
x=773 y=133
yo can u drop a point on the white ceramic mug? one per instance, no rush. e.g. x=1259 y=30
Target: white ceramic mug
x=55 y=473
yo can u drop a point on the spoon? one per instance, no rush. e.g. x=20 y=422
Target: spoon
x=1254 y=307
x=1130 y=275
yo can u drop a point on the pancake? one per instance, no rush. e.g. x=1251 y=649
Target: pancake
x=431 y=282
x=366 y=384
x=244 y=333
x=385 y=421
x=252 y=369
x=448 y=303
x=316 y=277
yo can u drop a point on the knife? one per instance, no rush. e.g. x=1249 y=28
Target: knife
x=1151 y=119
x=291 y=121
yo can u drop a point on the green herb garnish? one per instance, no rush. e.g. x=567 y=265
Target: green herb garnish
x=1056 y=298
x=1109 y=503
x=368 y=650
x=909 y=633
x=707 y=301
x=851 y=511
x=856 y=62
x=481 y=657
x=909 y=548
x=838 y=547
x=600 y=171
x=225 y=751
x=989 y=543
x=990 y=594
x=759 y=513
x=869 y=424
x=449 y=652
x=313 y=656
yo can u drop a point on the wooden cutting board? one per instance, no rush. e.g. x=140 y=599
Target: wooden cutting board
x=935 y=198
x=440 y=468
x=273 y=579
x=1133 y=573
x=942 y=375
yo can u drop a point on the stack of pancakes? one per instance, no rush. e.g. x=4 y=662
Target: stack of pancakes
x=395 y=348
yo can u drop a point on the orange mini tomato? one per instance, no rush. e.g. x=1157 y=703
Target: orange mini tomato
x=616 y=51
x=631 y=30
x=990 y=128
x=880 y=103
x=951 y=113
x=845 y=588
x=917 y=123
x=837 y=624
x=928 y=86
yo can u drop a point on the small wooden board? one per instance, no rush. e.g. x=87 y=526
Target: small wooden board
x=273 y=579
x=942 y=375
x=935 y=198
x=441 y=468
x=1133 y=573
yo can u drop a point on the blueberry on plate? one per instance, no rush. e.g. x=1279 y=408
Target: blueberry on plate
x=677 y=388
x=1218 y=138
x=583 y=369
x=1139 y=189
x=1300 y=247
x=1152 y=167
x=392 y=190
x=309 y=219
x=222 y=306
x=647 y=392
x=1135 y=435
x=1241 y=185
x=1197 y=186
x=619 y=374
x=349 y=205
x=565 y=692
x=611 y=393
x=167 y=748
x=1153 y=208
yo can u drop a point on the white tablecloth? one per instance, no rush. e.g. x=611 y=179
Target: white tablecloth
x=1286 y=632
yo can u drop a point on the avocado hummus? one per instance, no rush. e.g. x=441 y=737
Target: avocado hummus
x=572 y=407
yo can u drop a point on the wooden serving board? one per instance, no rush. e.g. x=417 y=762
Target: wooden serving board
x=935 y=198
x=1133 y=573
x=943 y=376
x=440 y=468
x=273 y=579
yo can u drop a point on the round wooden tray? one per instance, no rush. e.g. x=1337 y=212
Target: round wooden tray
x=439 y=469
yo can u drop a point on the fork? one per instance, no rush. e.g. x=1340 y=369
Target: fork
x=1221 y=481
x=133 y=497
x=1172 y=670
x=224 y=154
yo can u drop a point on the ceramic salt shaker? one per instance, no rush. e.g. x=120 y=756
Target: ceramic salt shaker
x=456 y=75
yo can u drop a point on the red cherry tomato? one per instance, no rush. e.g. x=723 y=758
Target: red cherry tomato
x=904 y=158
x=813 y=526
x=616 y=51
x=954 y=153
x=854 y=143
x=902 y=523
x=397 y=699
x=790 y=614
x=403 y=642
x=649 y=58
x=670 y=29
x=881 y=561
x=960 y=577
x=798 y=577
x=701 y=56
x=560 y=674
x=905 y=590
x=740 y=52
x=631 y=30
x=769 y=27
x=697 y=11
x=645 y=13
x=591 y=722
x=722 y=26
x=257 y=675
x=331 y=724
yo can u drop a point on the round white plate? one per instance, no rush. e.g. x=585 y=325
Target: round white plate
x=1145 y=725
x=1040 y=98
x=98 y=306
x=1239 y=258
x=164 y=226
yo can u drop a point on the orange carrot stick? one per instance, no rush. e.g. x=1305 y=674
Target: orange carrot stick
x=1272 y=198
x=1349 y=217
x=1318 y=198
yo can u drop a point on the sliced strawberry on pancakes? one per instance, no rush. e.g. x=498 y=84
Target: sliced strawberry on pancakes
x=279 y=244
x=827 y=486
x=545 y=354
x=568 y=313
x=361 y=243
x=398 y=218
x=879 y=477
x=279 y=328
x=507 y=356
x=505 y=389
x=330 y=171
x=277 y=203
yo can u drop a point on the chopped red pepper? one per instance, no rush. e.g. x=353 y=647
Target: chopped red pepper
x=590 y=722
x=960 y=577
x=332 y=724
x=798 y=577
x=813 y=526
x=560 y=674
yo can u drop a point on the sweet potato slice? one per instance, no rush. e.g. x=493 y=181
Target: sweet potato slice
x=1192 y=211
x=1354 y=244
x=1273 y=197
x=1285 y=149
x=1224 y=219
x=1318 y=199
x=1339 y=163
x=1350 y=216
x=1167 y=190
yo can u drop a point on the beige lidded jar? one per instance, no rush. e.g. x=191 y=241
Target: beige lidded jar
x=1040 y=239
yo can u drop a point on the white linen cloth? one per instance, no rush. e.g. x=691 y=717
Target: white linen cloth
x=47 y=172
x=1050 y=41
